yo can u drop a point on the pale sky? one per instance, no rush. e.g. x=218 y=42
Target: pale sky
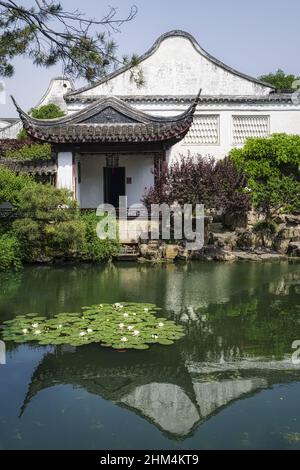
x=253 y=36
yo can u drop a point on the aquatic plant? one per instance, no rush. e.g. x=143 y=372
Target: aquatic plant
x=119 y=326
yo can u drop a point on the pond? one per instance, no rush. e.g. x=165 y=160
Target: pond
x=230 y=383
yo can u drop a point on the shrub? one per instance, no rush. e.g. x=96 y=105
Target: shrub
x=30 y=152
x=273 y=166
x=198 y=180
x=96 y=249
x=12 y=184
x=10 y=256
x=64 y=237
x=47 y=203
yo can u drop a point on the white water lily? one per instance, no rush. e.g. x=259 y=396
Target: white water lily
x=134 y=314
x=121 y=325
x=117 y=305
x=101 y=305
x=89 y=330
x=146 y=309
x=154 y=336
x=60 y=326
x=161 y=325
x=125 y=315
x=136 y=333
x=130 y=327
x=37 y=332
x=82 y=333
x=35 y=325
x=124 y=339
x=25 y=331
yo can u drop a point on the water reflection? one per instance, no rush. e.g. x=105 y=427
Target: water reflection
x=240 y=322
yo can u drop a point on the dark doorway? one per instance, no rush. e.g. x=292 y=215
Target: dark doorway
x=114 y=185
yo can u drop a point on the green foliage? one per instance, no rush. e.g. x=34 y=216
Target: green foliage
x=47 y=111
x=119 y=326
x=12 y=184
x=22 y=135
x=30 y=152
x=47 y=203
x=280 y=80
x=48 y=223
x=273 y=166
x=96 y=249
x=10 y=255
x=33 y=31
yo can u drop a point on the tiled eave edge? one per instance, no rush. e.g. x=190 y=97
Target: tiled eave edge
x=188 y=99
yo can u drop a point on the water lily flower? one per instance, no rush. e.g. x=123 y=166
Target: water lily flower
x=60 y=326
x=37 y=332
x=117 y=305
x=35 y=325
x=134 y=314
x=101 y=305
x=125 y=315
x=136 y=333
x=130 y=327
x=154 y=336
x=121 y=325
x=82 y=333
x=161 y=325
x=89 y=330
x=124 y=339
x=25 y=331
x=146 y=309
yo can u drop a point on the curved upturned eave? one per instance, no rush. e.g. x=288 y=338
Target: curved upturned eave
x=154 y=48
x=102 y=104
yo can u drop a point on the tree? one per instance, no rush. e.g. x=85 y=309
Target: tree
x=47 y=111
x=280 y=80
x=12 y=184
x=273 y=166
x=48 y=34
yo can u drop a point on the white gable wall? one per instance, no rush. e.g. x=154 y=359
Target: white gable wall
x=177 y=68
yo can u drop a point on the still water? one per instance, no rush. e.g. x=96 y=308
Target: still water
x=228 y=384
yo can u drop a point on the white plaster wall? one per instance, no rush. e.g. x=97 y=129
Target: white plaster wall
x=57 y=88
x=138 y=167
x=65 y=170
x=178 y=68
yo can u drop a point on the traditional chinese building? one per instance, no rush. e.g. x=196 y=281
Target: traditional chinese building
x=115 y=132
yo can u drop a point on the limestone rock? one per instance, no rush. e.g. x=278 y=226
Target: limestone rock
x=294 y=249
x=225 y=239
x=235 y=220
x=171 y=251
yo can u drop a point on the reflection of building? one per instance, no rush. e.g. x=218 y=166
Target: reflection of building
x=173 y=395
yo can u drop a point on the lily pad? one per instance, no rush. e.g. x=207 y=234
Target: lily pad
x=118 y=326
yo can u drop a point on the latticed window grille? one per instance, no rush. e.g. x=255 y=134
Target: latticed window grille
x=203 y=131
x=249 y=126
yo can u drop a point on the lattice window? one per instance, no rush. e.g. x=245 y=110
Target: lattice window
x=249 y=126
x=203 y=131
